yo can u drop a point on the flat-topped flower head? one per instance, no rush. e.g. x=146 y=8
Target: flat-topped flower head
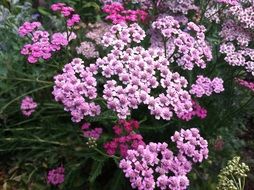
x=187 y=47
x=28 y=28
x=76 y=89
x=56 y=176
x=205 y=86
x=28 y=106
x=155 y=166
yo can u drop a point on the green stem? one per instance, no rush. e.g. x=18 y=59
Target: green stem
x=102 y=153
x=236 y=184
x=37 y=140
x=240 y=184
x=17 y=98
x=243 y=183
x=234 y=112
x=27 y=80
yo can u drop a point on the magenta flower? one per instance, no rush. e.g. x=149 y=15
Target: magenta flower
x=56 y=176
x=125 y=139
x=91 y=133
x=28 y=106
x=197 y=111
x=67 y=12
x=28 y=27
x=118 y=14
x=155 y=165
x=247 y=84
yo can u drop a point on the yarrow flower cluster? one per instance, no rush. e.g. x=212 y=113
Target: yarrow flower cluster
x=237 y=35
x=67 y=12
x=87 y=49
x=180 y=6
x=97 y=30
x=233 y=32
x=110 y=1
x=28 y=27
x=155 y=165
x=235 y=47
x=118 y=14
x=190 y=143
x=28 y=106
x=197 y=111
x=125 y=139
x=187 y=47
x=91 y=133
x=75 y=88
x=205 y=86
x=56 y=176
x=136 y=69
x=247 y=84
x=121 y=35
x=172 y=6
x=43 y=45
x=243 y=13
x=228 y=2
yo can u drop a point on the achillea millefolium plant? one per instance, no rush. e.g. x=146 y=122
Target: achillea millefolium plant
x=124 y=94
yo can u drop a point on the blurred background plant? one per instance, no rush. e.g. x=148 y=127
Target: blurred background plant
x=30 y=147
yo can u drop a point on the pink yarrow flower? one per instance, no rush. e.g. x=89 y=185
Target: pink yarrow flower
x=91 y=133
x=247 y=84
x=118 y=14
x=155 y=166
x=28 y=106
x=67 y=12
x=205 y=86
x=125 y=138
x=56 y=176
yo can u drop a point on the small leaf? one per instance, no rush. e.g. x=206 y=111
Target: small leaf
x=43 y=11
x=107 y=115
x=95 y=171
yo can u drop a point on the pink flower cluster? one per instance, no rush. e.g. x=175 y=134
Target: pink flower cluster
x=91 y=133
x=180 y=6
x=185 y=46
x=121 y=35
x=247 y=84
x=155 y=166
x=125 y=139
x=43 y=45
x=118 y=14
x=110 y=1
x=197 y=111
x=28 y=27
x=88 y=50
x=233 y=32
x=243 y=13
x=205 y=86
x=28 y=106
x=97 y=30
x=237 y=40
x=228 y=2
x=136 y=70
x=67 y=12
x=191 y=144
x=75 y=88
x=56 y=176
x=175 y=6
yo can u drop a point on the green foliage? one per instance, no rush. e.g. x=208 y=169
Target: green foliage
x=29 y=147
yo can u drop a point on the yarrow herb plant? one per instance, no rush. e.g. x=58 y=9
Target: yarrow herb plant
x=117 y=88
